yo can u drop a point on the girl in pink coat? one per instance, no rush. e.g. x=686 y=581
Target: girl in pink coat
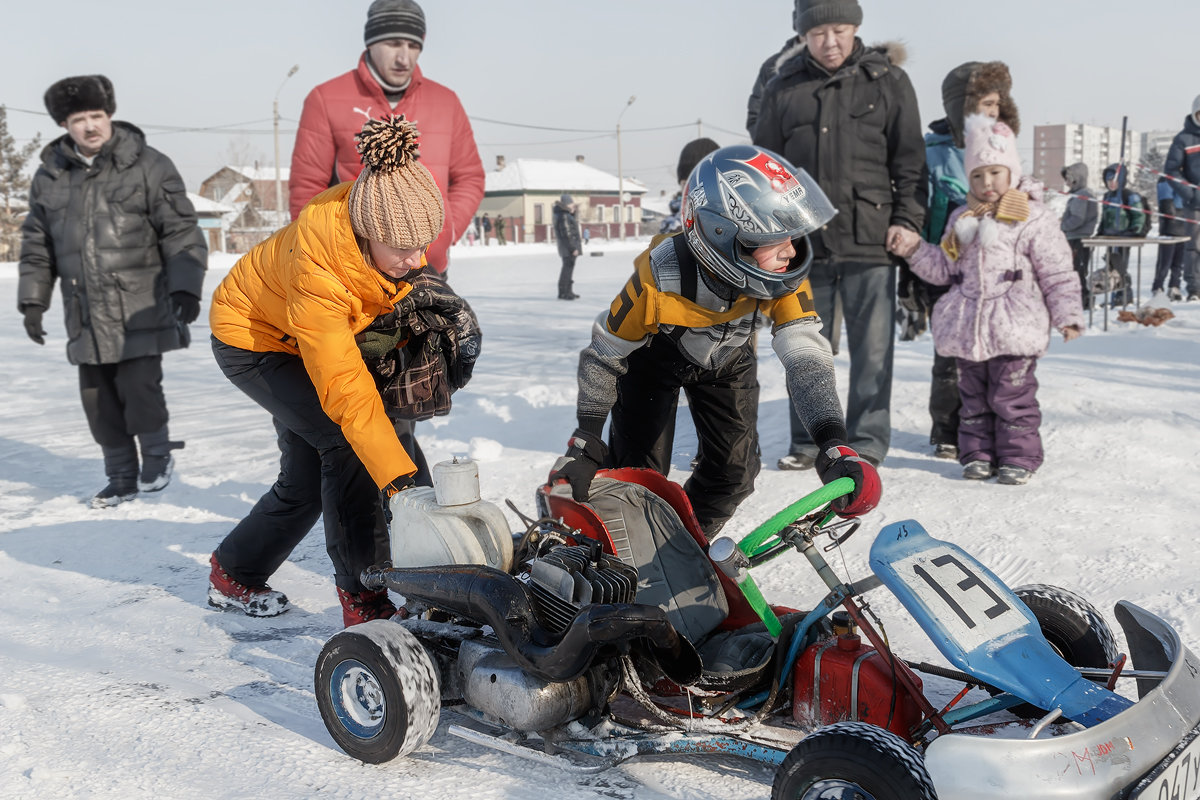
x=1011 y=277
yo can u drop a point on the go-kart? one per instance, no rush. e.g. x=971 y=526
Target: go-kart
x=616 y=630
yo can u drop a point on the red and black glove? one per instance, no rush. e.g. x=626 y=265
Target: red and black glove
x=585 y=454
x=838 y=460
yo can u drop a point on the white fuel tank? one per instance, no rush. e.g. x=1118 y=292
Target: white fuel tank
x=448 y=523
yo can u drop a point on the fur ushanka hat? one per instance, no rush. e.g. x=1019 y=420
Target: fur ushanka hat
x=80 y=93
x=969 y=83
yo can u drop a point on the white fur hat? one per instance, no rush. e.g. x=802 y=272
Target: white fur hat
x=991 y=142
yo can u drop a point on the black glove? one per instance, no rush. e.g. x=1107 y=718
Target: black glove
x=839 y=460
x=33 y=323
x=585 y=454
x=470 y=342
x=429 y=292
x=394 y=487
x=186 y=307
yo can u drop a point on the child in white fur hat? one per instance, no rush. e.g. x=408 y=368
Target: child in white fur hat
x=1009 y=268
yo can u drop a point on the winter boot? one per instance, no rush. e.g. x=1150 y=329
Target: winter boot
x=1014 y=476
x=978 y=471
x=795 y=461
x=1174 y=294
x=946 y=450
x=157 y=461
x=365 y=606
x=121 y=467
x=228 y=594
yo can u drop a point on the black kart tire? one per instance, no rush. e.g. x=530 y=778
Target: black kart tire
x=378 y=691
x=853 y=761
x=1072 y=626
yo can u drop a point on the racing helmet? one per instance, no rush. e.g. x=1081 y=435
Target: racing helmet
x=742 y=197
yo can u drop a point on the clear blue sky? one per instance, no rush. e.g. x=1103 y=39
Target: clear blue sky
x=574 y=64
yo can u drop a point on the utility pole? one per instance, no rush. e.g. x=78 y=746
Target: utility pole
x=278 y=179
x=621 y=174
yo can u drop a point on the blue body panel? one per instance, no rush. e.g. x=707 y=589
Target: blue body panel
x=980 y=626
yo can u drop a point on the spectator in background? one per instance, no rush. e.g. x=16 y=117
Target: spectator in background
x=566 y=233
x=970 y=88
x=848 y=115
x=1079 y=221
x=1169 y=267
x=1183 y=163
x=388 y=81
x=109 y=219
x=500 y=230
x=1122 y=215
x=487 y=228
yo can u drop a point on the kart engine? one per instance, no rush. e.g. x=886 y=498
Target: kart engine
x=561 y=581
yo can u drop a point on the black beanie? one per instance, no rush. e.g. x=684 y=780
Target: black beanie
x=811 y=13
x=80 y=93
x=692 y=154
x=394 y=19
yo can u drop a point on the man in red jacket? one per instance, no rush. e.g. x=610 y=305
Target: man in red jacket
x=388 y=81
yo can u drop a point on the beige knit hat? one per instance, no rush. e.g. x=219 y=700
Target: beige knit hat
x=394 y=200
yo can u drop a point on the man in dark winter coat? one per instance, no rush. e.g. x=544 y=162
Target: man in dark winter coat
x=109 y=218
x=566 y=231
x=1079 y=220
x=848 y=115
x=1183 y=163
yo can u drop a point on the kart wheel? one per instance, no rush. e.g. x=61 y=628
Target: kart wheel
x=377 y=690
x=1072 y=626
x=853 y=761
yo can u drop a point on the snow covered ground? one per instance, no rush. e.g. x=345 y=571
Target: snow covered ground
x=117 y=680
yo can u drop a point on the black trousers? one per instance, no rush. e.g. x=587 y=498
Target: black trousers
x=724 y=406
x=1081 y=258
x=122 y=400
x=565 y=275
x=319 y=475
x=944 y=401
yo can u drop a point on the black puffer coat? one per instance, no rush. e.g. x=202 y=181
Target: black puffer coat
x=1183 y=161
x=121 y=236
x=858 y=133
x=566 y=230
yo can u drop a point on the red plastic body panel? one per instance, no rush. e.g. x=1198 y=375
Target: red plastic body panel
x=576 y=515
x=844 y=679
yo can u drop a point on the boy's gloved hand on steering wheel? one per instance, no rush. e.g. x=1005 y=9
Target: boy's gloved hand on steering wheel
x=838 y=460
x=585 y=454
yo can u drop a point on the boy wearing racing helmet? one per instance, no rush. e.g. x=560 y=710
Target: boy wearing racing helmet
x=687 y=320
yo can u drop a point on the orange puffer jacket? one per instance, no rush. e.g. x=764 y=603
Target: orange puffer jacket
x=308 y=291
x=326 y=152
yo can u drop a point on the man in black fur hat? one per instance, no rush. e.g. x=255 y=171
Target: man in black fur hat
x=110 y=220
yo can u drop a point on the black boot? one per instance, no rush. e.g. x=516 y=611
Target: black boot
x=121 y=467
x=157 y=461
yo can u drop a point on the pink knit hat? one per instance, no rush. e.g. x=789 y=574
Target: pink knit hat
x=991 y=142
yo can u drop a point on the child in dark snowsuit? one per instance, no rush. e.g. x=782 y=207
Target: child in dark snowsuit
x=1009 y=269
x=1120 y=215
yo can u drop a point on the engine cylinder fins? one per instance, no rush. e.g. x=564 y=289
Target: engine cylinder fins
x=569 y=577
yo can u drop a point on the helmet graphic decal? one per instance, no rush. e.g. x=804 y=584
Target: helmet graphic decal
x=781 y=180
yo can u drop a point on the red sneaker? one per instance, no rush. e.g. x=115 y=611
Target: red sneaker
x=226 y=593
x=365 y=606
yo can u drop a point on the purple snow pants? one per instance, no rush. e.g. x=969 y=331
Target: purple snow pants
x=1000 y=416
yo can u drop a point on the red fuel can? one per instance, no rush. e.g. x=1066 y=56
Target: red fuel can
x=843 y=679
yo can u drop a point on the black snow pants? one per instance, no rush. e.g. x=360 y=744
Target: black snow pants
x=724 y=406
x=319 y=475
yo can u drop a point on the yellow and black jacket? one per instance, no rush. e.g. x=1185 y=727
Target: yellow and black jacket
x=668 y=295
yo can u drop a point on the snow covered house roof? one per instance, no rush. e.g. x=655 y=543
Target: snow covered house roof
x=544 y=175
x=257 y=173
x=211 y=207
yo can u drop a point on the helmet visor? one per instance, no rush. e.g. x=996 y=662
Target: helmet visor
x=799 y=211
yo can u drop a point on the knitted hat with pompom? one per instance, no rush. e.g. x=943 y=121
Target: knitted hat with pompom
x=394 y=199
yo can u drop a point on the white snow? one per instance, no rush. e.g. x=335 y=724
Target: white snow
x=117 y=680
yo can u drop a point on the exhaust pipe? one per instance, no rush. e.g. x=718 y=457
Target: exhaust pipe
x=498 y=599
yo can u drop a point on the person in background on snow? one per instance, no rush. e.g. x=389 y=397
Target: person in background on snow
x=499 y=225
x=1079 y=221
x=847 y=113
x=687 y=319
x=1183 y=164
x=487 y=228
x=284 y=322
x=1009 y=269
x=566 y=233
x=388 y=81
x=109 y=219
x=1121 y=215
x=970 y=88
x=1169 y=267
